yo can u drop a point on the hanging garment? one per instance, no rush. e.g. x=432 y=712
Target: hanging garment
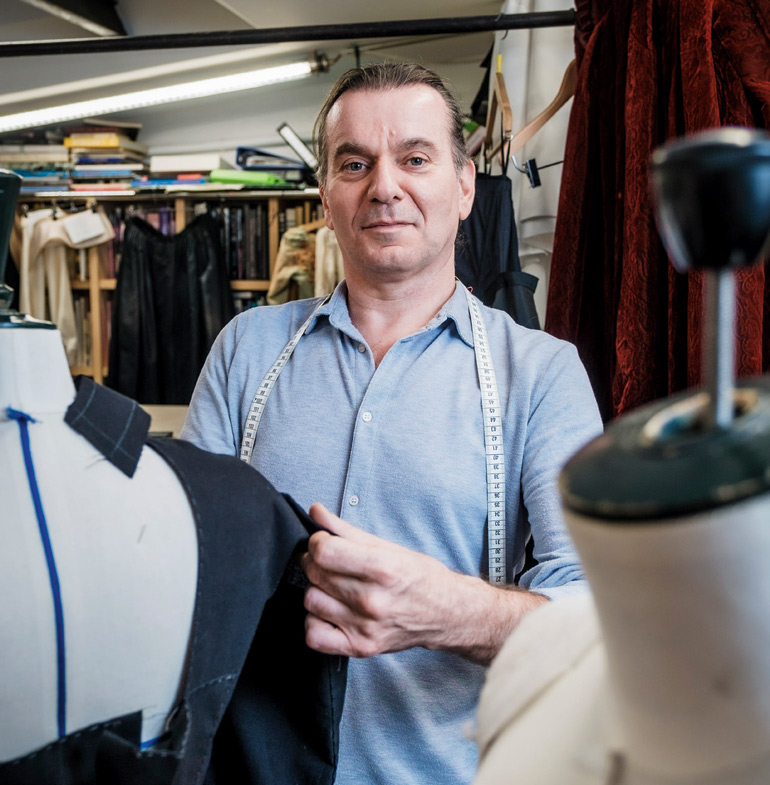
x=487 y=257
x=46 y=291
x=282 y=710
x=172 y=299
x=329 y=270
x=294 y=267
x=533 y=64
x=13 y=262
x=650 y=71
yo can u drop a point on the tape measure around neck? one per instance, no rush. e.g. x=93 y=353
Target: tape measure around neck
x=266 y=387
x=493 y=431
x=493 y=445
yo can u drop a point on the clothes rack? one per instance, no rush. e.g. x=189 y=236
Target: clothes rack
x=353 y=31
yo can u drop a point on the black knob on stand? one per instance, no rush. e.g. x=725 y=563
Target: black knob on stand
x=712 y=199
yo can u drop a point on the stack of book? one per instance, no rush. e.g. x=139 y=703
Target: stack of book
x=181 y=172
x=44 y=167
x=105 y=160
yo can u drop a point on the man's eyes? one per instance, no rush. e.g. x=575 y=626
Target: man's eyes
x=413 y=161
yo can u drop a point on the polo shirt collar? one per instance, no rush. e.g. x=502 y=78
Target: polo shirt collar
x=335 y=309
x=455 y=308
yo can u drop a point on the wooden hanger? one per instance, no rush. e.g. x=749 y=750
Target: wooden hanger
x=499 y=100
x=566 y=91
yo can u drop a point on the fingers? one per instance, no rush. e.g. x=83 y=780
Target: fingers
x=330 y=558
x=352 y=552
x=325 y=637
x=334 y=628
x=336 y=525
x=365 y=595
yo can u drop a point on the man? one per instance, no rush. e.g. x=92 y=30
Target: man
x=379 y=417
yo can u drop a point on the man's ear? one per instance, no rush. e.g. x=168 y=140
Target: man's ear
x=467 y=188
x=327 y=212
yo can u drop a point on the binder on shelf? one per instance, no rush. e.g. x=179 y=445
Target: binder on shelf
x=252 y=159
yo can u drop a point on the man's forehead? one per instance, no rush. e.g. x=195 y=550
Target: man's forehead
x=412 y=101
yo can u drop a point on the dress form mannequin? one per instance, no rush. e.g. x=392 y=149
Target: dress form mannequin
x=151 y=610
x=663 y=676
x=124 y=550
x=120 y=544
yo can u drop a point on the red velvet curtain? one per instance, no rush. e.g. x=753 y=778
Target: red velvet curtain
x=648 y=71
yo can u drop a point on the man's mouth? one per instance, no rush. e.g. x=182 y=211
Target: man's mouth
x=385 y=224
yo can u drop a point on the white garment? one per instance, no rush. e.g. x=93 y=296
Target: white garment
x=533 y=65
x=328 y=262
x=45 y=291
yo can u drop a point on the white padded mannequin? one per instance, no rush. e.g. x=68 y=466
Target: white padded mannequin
x=661 y=677
x=126 y=556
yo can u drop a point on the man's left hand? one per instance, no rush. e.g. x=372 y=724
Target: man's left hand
x=370 y=596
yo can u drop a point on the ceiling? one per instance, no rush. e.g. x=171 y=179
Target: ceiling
x=22 y=20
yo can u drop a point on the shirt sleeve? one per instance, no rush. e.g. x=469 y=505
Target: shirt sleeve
x=209 y=419
x=563 y=417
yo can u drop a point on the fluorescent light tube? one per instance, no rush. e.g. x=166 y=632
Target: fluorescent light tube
x=155 y=96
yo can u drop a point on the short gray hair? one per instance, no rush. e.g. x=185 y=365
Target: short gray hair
x=389 y=76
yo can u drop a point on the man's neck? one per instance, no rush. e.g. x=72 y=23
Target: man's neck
x=386 y=312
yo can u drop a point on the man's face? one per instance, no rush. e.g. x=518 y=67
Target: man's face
x=392 y=193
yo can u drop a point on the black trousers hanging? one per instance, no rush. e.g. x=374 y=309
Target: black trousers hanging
x=487 y=254
x=172 y=299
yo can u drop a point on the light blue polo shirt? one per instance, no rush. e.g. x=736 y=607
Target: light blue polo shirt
x=399 y=451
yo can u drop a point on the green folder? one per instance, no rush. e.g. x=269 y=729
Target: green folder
x=246 y=177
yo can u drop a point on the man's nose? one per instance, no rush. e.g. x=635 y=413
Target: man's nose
x=385 y=182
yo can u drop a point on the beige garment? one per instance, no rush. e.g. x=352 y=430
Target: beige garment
x=294 y=264
x=45 y=291
x=546 y=714
x=328 y=262
x=15 y=243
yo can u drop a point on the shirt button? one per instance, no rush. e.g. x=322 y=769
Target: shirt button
x=353 y=501
x=361 y=348
x=366 y=416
